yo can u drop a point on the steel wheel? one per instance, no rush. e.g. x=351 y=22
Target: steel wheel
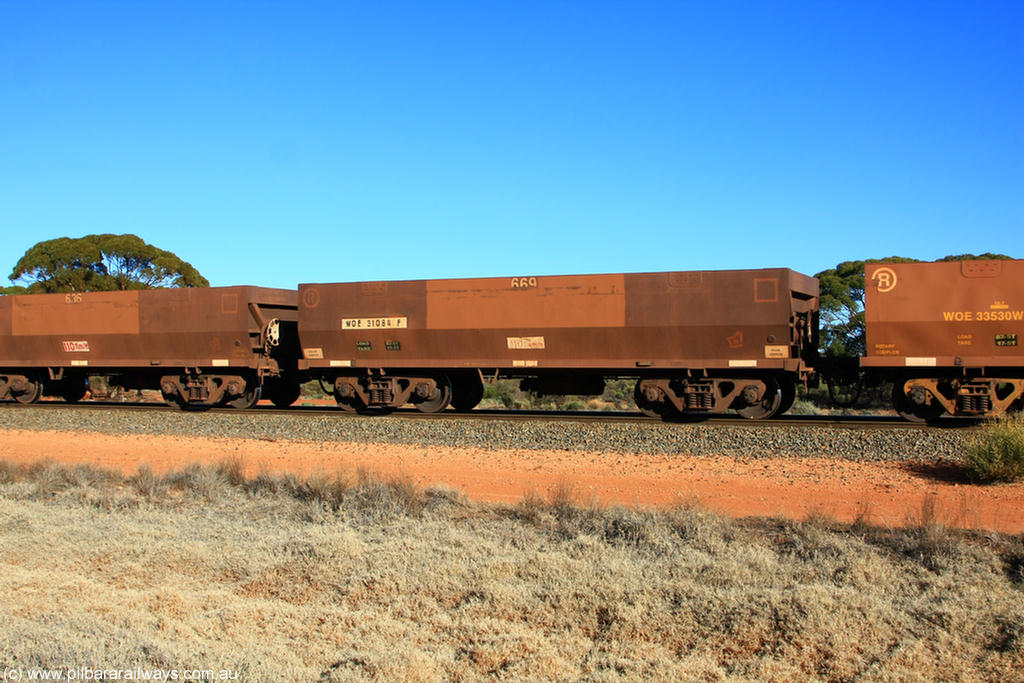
x=72 y=389
x=658 y=409
x=788 y=396
x=467 y=392
x=769 y=403
x=441 y=398
x=246 y=400
x=350 y=404
x=910 y=411
x=281 y=394
x=31 y=394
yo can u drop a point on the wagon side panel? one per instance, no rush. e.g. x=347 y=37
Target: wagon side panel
x=957 y=314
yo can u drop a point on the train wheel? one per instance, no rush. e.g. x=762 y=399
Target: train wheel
x=659 y=409
x=914 y=411
x=768 y=405
x=788 y=389
x=72 y=390
x=350 y=404
x=467 y=392
x=246 y=400
x=281 y=394
x=32 y=392
x=441 y=398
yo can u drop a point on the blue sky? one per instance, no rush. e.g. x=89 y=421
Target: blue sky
x=277 y=143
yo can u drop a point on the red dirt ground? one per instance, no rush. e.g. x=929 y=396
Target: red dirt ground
x=882 y=493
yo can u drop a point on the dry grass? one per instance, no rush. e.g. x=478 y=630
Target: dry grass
x=347 y=577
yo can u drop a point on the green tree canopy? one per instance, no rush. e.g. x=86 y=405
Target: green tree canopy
x=842 y=303
x=100 y=263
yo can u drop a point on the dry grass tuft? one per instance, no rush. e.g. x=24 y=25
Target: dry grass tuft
x=530 y=506
x=146 y=483
x=862 y=521
x=232 y=470
x=201 y=480
x=563 y=497
x=11 y=472
x=932 y=541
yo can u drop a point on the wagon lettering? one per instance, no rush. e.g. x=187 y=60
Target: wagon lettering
x=982 y=316
x=374 y=323
x=520 y=343
x=75 y=346
x=1000 y=316
x=523 y=282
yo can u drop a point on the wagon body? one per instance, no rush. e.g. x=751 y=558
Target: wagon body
x=702 y=319
x=951 y=314
x=644 y=324
x=948 y=334
x=143 y=335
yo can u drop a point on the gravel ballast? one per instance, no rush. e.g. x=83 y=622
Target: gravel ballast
x=771 y=440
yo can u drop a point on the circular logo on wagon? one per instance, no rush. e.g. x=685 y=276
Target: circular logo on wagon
x=311 y=297
x=884 y=279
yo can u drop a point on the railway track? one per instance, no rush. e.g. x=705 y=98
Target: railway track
x=861 y=438
x=853 y=422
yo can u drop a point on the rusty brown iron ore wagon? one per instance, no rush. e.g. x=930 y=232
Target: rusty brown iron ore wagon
x=199 y=347
x=697 y=342
x=947 y=335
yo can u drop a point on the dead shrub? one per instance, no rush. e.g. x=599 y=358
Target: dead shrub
x=628 y=526
x=439 y=496
x=264 y=483
x=562 y=498
x=232 y=469
x=530 y=507
x=145 y=482
x=377 y=499
x=934 y=543
x=10 y=472
x=200 y=480
x=328 y=490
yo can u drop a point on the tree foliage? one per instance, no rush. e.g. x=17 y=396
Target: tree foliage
x=842 y=306
x=100 y=263
x=842 y=303
x=978 y=257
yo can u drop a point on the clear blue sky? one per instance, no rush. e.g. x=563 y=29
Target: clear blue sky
x=274 y=143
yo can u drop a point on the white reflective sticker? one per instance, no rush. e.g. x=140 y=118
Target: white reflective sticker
x=374 y=323
x=220 y=362
x=919 y=362
x=743 y=364
x=75 y=346
x=79 y=362
x=520 y=343
x=341 y=363
x=524 y=363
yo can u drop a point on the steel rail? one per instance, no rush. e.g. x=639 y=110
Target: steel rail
x=872 y=422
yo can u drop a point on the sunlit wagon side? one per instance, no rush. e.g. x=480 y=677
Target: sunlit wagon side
x=198 y=346
x=948 y=335
x=696 y=342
